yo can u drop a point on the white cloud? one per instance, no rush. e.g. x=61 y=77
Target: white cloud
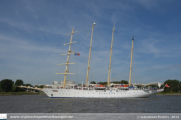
x=149 y=4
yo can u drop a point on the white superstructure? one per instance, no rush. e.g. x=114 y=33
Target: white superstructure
x=68 y=89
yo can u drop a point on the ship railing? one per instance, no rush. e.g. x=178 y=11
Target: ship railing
x=100 y=90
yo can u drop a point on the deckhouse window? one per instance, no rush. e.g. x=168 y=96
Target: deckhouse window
x=55 y=90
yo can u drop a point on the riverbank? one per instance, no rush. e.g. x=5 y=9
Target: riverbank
x=170 y=93
x=20 y=93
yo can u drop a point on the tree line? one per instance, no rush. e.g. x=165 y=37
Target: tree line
x=175 y=86
x=115 y=82
x=7 y=85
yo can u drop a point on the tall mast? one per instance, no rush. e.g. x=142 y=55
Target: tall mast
x=131 y=62
x=69 y=52
x=88 y=68
x=110 y=57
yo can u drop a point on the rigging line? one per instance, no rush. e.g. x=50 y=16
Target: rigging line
x=66 y=39
x=128 y=71
x=133 y=70
x=84 y=39
x=133 y=66
x=145 y=64
x=90 y=68
x=106 y=57
x=91 y=71
x=76 y=72
x=136 y=71
x=33 y=73
x=111 y=63
x=112 y=59
x=124 y=65
x=42 y=72
x=111 y=75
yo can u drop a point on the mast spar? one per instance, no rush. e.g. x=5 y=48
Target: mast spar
x=88 y=68
x=69 y=52
x=110 y=58
x=131 y=62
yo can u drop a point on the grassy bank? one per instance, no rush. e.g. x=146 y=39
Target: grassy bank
x=20 y=93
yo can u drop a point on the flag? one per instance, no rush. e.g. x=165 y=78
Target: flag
x=167 y=85
x=77 y=54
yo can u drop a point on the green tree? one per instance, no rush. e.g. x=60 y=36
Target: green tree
x=6 y=85
x=116 y=82
x=139 y=86
x=180 y=87
x=102 y=83
x=41 y=86
x=19 y=82
x=124 y=82
x=0 y=86
x=13 y=88
x=120 y=82
x=174 y=86
x=81 y=85
x=93 y=82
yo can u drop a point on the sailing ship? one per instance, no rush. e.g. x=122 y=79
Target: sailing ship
x=70 y=90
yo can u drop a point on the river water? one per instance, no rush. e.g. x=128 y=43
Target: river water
x=43 y=104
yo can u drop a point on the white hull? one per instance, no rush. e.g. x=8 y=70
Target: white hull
x=73 y=93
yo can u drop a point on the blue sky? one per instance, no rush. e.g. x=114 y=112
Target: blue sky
x=32 y=34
